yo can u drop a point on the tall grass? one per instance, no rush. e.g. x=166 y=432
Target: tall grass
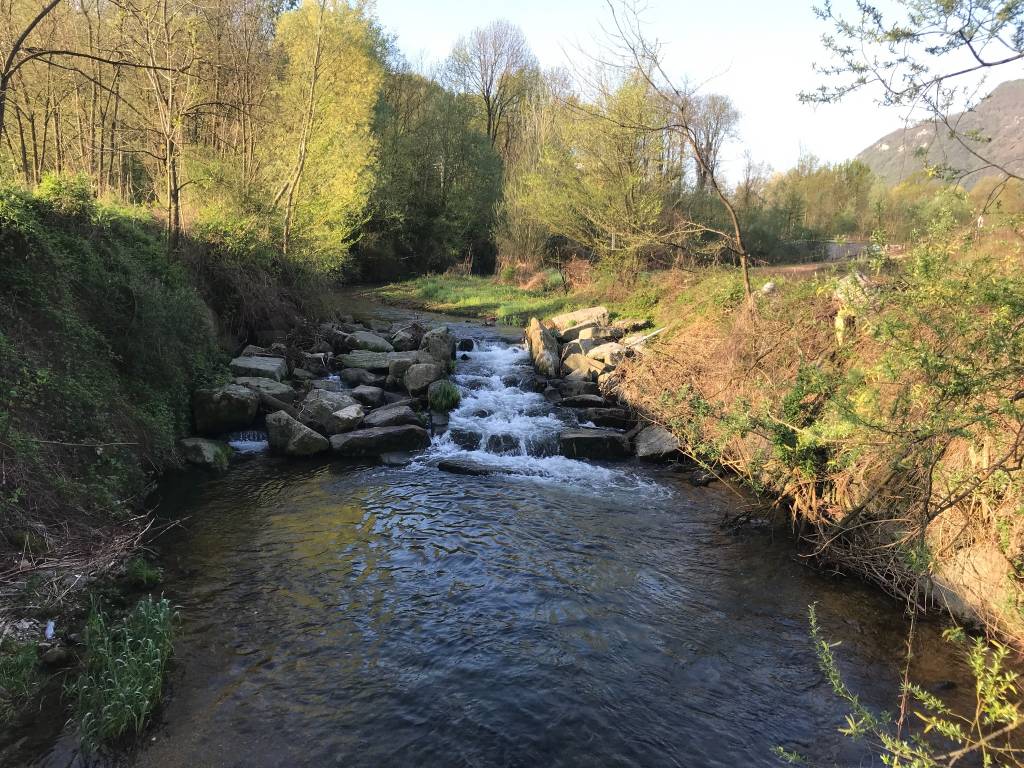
x=443 y=396
x=19 y=676
x=124 y=672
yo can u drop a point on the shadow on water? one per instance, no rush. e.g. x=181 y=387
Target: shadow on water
x=565 y=614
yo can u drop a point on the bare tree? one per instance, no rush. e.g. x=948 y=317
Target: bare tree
x=714 y=123
x=682 y=106
x=494 y=62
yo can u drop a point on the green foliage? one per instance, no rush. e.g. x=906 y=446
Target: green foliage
x=945 y=736
x=19 y=676
x=124 y=671
x=68 y=195
x=102 y=338
x=141 y=573
x=444 y=396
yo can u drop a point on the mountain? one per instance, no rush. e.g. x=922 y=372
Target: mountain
x=999 y=117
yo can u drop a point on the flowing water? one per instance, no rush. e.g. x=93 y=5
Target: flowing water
x=555 y=613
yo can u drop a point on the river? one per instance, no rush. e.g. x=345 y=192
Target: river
x=556 y=613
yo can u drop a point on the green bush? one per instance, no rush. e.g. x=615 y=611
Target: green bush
x=68 y=195
x=124 y=671
x=142 y=574
x=443 y=396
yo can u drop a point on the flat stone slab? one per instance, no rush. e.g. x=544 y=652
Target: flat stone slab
x=380 y=440
x=655 y=442
x=468 y=467
x=260 y=367
x=593 y=444
x=275 y=389
x=380 y=361
x=585 y=401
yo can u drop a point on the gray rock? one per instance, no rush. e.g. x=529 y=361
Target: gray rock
x=379 y=440
x=392 y=416
x=345 y=420
x=224 y=409
x=578 y=347
x=543 y=348
x=409 y=338
x=507 y=444
x=319 y=405
x=612 y=418
x=370 y=396
x=572 y=333
x=301 y=374
x=317 y=363
x=552 y=395
x=211 y=454
x=328 y=385
x=600 y=334
x=397 y=459
x=380 y=361
x=655 y=442
x=262 y=367
x=631 y=324
x=292 y=438
x=610 y=353
x=585 y=401
x=421 y=375
x=582 y=367
x=57 y=656
x=466 y=467
x=370 y=341
x=593 y=444
x=355 y=377
x=598 y=315
x=465 y=345
x=275 y=389
x=571 y=388
x=439 y=343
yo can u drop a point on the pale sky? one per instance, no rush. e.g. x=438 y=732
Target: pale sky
x=758 y=52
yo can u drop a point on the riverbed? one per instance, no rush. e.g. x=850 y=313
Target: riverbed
x=553 y=613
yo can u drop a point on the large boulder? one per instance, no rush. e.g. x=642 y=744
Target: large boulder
x=211 y=454
x=612 y=418
x=368 y=396
x=276 y=389
x=355 y=377
x=261 y=367
x=581 y=366
x=317 y=363
x=345 y=420
x=421 y=375
x=292 y=438
x=585 y=401
x=378 y=440
x=572 y=333
x=439 y=343
x=610 y=353
x=370 y=341
x=318 y=406
x=600 y=334
x=380 y=361
x=543 y=348
x=392 y=416
x=578 y=347
x=574 y=388
x=593 y=444
x=224 y=409
x=598 y=315
x=655 y=442
x=408 y=338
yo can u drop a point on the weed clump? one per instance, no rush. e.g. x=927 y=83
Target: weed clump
x=124 y=671
x=443 y=396
x=19 y=676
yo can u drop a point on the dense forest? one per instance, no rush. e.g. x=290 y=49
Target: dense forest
x=301 y=131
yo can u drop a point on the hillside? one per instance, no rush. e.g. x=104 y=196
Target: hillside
x=999 y=117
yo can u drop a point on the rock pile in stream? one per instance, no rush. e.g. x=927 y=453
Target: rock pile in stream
x=358 y=389
x=575 y=356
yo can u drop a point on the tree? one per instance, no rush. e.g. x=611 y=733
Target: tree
x=923 y=54
x=714 y=122
x=495 y=63
x=320 y=155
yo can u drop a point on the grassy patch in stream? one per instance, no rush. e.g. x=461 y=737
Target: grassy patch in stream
x=124 y=670
x=19 y=676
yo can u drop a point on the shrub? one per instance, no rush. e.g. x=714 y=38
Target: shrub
x=124 y=671
x=988 y=732
x=443 y=396
x=142 y=574
x=68 y=195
